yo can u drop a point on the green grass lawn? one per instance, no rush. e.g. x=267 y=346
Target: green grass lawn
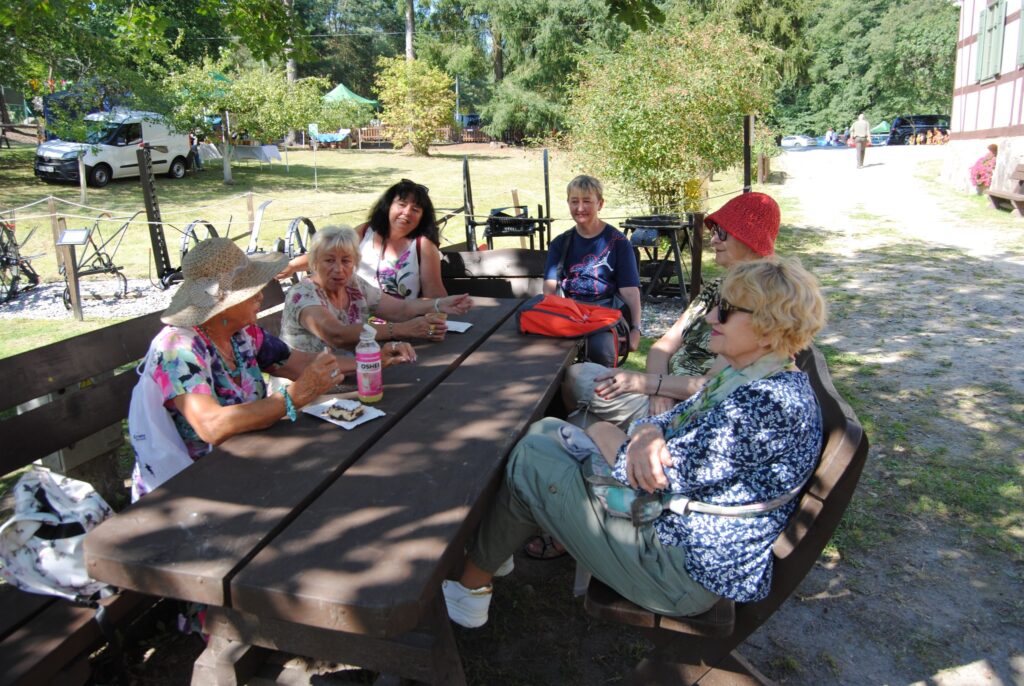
x=348 y=182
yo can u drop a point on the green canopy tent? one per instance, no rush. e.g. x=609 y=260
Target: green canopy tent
x=341 y=93
x=881 y=127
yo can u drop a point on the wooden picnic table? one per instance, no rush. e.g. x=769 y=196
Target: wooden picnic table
x=332 y=544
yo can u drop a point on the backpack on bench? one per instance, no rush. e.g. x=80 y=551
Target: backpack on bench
x=604 y=331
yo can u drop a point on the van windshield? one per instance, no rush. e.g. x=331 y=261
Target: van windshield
x=100 y=131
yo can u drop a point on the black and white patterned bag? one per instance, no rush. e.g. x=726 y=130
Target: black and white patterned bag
x=41 y=545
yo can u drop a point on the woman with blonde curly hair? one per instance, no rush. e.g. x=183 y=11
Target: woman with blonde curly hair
x=737 y=453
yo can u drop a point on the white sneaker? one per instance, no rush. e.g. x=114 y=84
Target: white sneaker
x=506 y=567
x=467 y=607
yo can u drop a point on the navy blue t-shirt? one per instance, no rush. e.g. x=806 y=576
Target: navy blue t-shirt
x=595 y=268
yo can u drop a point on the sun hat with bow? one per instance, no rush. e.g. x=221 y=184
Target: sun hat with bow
x=753 y=218
x=218 y=275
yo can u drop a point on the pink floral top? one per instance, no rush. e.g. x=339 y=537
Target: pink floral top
x=186 y=362
x=400 y=277
x=362 y=298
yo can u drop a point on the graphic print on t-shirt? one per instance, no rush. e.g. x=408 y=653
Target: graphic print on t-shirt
x=584 y=280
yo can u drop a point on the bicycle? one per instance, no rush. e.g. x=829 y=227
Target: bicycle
x=13 y=267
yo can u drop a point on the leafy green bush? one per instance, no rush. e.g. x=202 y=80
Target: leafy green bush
x=668 y=108
x=417 y=99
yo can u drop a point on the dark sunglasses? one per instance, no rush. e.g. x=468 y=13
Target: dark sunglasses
x=418 y=185
x=718 y=232
x=725 y=308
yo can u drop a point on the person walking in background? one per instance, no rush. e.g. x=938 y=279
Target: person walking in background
x=861 y=132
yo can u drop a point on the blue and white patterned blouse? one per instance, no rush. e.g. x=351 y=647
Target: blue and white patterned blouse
x=755 y=445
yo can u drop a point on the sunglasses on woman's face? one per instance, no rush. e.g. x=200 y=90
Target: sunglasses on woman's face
x=413 y=183
x=718 y=232
x=725 y=308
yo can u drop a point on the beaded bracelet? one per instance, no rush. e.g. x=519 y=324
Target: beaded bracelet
x=289 y=406
x=659 y=385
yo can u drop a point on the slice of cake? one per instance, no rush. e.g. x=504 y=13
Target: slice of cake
x=344 y=414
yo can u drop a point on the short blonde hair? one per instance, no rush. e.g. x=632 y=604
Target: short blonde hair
x=332 y=238
x=585 y=184
x=788 y=308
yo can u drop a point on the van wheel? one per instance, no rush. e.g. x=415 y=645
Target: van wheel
x=99 y=176
x=177 y=168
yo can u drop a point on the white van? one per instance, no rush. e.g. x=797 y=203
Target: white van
x=110 y=146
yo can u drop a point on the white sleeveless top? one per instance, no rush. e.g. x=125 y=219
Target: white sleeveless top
x=399 y=278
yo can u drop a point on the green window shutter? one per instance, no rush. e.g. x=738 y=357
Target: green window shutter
x=996 y=65
x=980 y=47
x=1020 y=36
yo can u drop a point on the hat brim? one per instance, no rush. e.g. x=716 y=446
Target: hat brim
x=185 y=311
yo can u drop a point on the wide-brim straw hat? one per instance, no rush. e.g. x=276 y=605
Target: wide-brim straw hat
x=218 y=275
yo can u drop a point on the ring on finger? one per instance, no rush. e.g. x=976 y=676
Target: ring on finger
x=334 y=373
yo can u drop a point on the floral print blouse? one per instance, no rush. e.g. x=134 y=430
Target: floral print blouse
x=187 y=362
x=398 y=277
x=362 y=299
x=757 y=444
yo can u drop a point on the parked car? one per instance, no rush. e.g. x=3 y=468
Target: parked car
x=109 y=149
x=798 y=141
x=912 y=124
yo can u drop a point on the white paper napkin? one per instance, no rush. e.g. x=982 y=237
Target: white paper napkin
x=320 y=408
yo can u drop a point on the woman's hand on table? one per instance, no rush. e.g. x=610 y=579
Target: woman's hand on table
x=319 y=376
x=612 y=384
x=396 y=352
x=647 y=457
x=422 y=327
x=455 y=304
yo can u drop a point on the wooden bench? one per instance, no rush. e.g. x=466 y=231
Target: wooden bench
x=1015 y=197
x=701 y=649
x=507 y=273
x=89 y=380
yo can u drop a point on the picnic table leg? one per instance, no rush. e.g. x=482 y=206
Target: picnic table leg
x=446 y=663
x=227 y=663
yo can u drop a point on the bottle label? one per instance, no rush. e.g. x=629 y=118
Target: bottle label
x=368 y=376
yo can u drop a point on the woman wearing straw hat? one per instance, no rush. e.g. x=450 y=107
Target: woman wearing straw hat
x=203 y=374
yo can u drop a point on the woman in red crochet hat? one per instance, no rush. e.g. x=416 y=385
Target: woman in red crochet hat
x=679 y=363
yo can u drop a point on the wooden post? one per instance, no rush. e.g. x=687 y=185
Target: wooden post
x=81 y=176
x=252 y=216
x=696 y=253
x=55 y=229
x=66 y=255
x=515 y=209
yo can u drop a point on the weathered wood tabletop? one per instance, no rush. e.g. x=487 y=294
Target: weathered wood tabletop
x=332 y=544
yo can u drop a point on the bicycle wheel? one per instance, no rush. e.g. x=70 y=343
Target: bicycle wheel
x=10 y=263
x=197 y=231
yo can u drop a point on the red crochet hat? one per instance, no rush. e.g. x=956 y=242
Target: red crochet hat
x=751 y=218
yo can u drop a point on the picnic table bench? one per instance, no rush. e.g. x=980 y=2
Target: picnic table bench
x=1014 y=197
x=89 y=379
x=688 y=650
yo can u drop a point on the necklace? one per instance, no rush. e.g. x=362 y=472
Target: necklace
x=237 y=371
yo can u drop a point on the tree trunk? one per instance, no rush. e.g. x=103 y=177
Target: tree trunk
x=499 y=60
x=410 y=26
x=4 y=117
x=291 y=72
